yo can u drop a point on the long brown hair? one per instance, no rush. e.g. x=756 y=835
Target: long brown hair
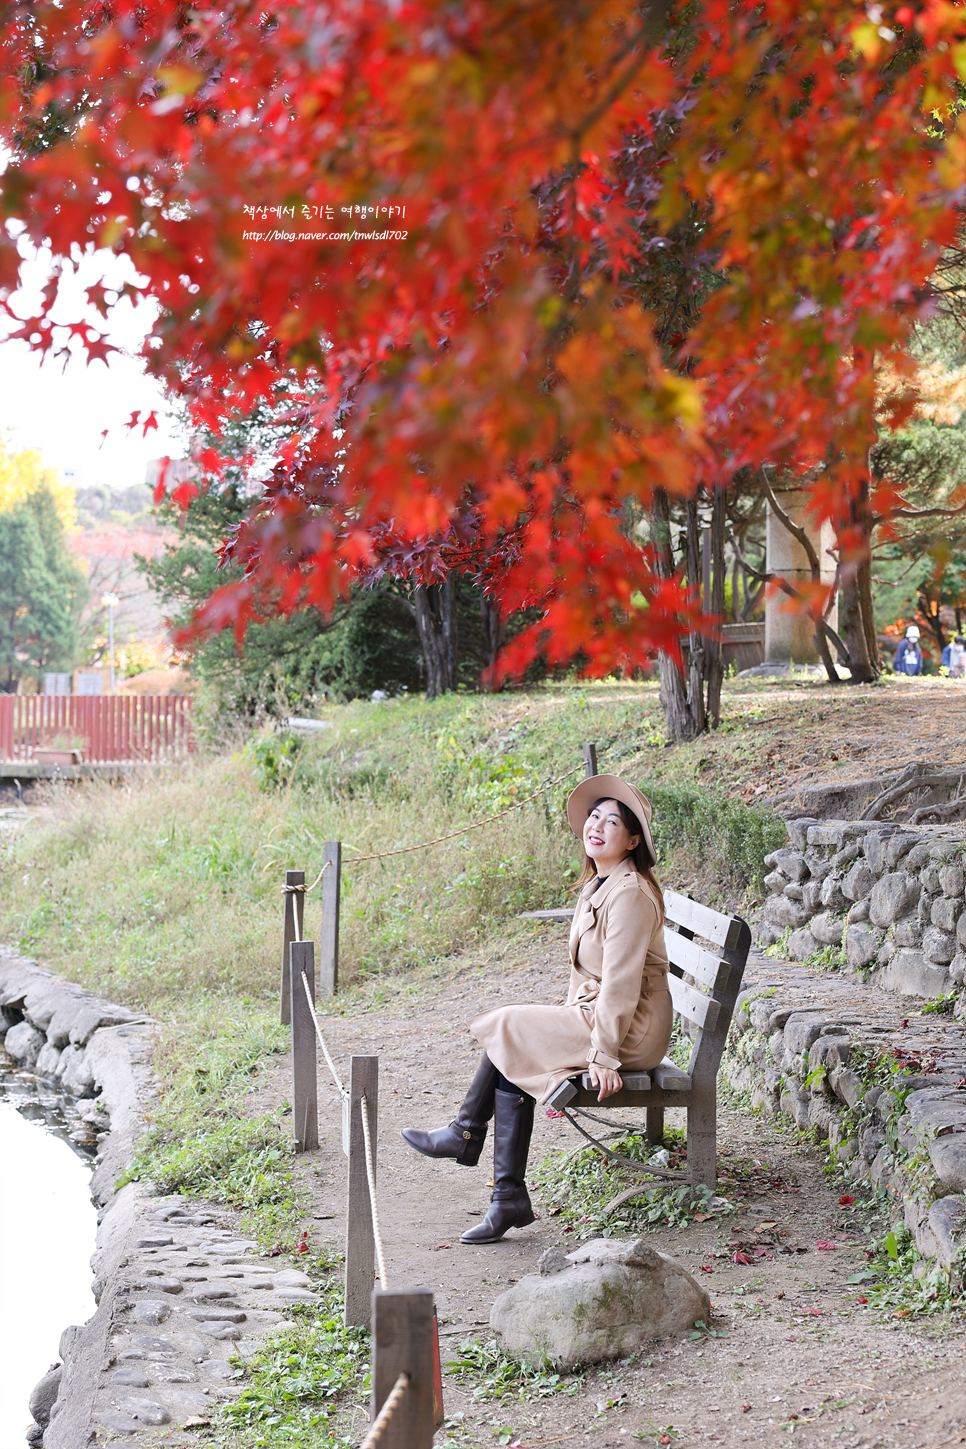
x=639 y=857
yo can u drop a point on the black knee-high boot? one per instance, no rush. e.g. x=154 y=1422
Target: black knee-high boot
x=465 y=1135
x=510 y=1205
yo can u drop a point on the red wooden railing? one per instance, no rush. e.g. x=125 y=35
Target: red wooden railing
x=108 y=728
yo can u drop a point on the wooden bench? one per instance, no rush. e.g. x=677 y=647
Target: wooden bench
x=718 y=965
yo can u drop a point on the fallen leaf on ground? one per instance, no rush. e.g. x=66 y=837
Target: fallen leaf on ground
x=846 y=1200
x=824 y=1246
x=781 y=1294
x=706 y=1268
x=765 y=1227
x=745 y=1408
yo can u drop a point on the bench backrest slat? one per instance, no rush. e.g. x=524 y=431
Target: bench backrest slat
x=701 y=964
x=692 y=1005
x=722 y=931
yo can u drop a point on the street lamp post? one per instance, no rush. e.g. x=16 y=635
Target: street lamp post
x=112 y=601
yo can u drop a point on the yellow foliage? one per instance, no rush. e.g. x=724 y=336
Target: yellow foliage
x=23 y=473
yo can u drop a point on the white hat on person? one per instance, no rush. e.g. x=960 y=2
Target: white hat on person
x=610 y=787
x=912 y=632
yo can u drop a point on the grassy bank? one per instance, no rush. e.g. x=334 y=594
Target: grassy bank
x=170 y=886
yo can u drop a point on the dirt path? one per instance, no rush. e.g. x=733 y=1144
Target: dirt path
x=800 y=1356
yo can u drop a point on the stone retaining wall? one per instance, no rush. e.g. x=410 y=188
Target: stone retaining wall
x=835 y=1075
x=882 y=899
x=177 y=1289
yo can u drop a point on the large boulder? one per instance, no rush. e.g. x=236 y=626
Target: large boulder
x=25 y=1043
x=606 y=1300
x=894 y=895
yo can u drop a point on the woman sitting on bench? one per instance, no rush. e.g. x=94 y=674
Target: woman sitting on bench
x=618 y=1011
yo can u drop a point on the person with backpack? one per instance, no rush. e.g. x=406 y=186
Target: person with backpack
x=908 y=658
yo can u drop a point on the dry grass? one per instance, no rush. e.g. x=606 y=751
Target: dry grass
x=169 y=887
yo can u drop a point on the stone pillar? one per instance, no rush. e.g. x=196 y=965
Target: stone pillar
x=789 y=637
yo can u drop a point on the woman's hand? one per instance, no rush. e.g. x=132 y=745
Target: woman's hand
x=607 y=1080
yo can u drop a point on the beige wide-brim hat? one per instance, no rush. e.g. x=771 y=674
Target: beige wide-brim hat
x=609 y=787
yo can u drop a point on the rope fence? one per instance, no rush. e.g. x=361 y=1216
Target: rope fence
x=371 y=1178
x=386 y=1412
x=407 y=1395
x=439 y=839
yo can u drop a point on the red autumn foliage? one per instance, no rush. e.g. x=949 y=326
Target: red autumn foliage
x=478 y=383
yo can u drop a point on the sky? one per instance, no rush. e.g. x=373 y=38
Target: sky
x=63 y=412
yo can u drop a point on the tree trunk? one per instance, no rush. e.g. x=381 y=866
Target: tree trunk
x=858 y=622
x=714 y=654
x=492 y=633
x=697 y=644
x=435 y=606
x=675 y=695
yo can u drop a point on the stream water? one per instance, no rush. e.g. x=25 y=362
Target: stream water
x=47 y=1228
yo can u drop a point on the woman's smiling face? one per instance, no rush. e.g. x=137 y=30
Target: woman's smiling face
x=607 y=839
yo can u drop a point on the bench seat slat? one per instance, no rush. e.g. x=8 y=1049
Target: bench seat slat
x=695 y=960
x=702 y=1010
x=670 y=1077
x=633 y=1082
x=723 y=931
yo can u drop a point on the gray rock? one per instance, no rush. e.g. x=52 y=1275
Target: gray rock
x=819 y=1052
x=151 y=1310
x=68 y=1340
x=221 y=1315
x=793 y=892
x=143 y=1411
x=812 y=895
x=798 y=830
x=791 y=863
x=929 y=876
x=780 y=911
x=801 y=945
x=152 y=1283
x=118 y=1423
x=552 y=1260
x=919 y=855
x=873 y=848
x=131 y=1378
x=961 y=930
x=74 y=1072
x=222 y=1330
x=827 y=928
x=924 y=909
x=894 y=895
x=910 y=974
x=946 y=1222
x=952 y=880
x=896 y=847
x=47 y=1060
x=795 y=1103
x=908 y=932
x=859 y=912
x=938 y=946
x=846 y=1085
x=843 y=858
x=212 y=1292
x=862 y=944
x=871 y=1141
x=24 y=1043
x=294 y=1295
x=832 y=896
x=957 y=968
x=801 y=1031
x=162 y=1373
x=43 y=1396
x=830 y=834
x=948 y=1155
x=616 y=1297
x=859 y=881
x=821 y=1117
x=94 y=1014
x=775 y=882
x=218 y=1368
x=158 y=1241
x=817 y=865
x=886 y=951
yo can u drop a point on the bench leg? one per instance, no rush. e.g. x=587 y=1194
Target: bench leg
x=702 y=1144
x=655 y=1123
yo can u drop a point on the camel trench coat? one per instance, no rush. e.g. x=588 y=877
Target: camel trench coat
x=618 y=1011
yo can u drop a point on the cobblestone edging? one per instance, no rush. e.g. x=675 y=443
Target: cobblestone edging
x=176 y=1288
x=885 y=1090
x=883 y=899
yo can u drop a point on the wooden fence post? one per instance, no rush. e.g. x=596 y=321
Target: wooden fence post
x=360 y=1241
x=403 y=1343
x=329 y=935
x=293 y=914
x=305 y=1087
x=590 y=759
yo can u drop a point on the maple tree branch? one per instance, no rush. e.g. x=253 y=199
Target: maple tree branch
x=649 y=31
